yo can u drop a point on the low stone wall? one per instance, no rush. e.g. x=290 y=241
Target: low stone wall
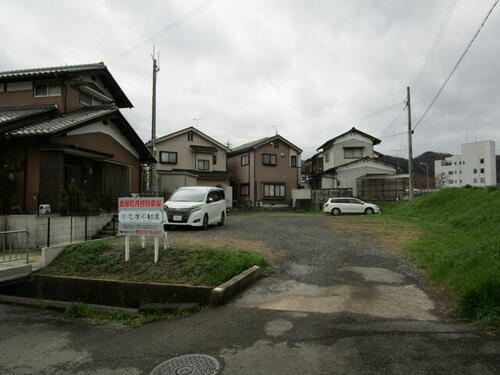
x=63 y=229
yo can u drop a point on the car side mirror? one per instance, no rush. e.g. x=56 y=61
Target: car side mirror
x=210 y=200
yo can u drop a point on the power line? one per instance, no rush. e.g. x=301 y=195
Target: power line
x=51 y=41
x=435 y=44
x=456 y=65
x=394 y=121
x=166 y=29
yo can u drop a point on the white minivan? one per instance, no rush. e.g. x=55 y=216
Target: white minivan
x=197 y=206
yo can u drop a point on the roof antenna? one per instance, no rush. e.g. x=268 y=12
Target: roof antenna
x=197 y=122
x=276 y=128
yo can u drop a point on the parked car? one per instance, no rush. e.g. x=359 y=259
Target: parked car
x=336 y=206
x=197 y=206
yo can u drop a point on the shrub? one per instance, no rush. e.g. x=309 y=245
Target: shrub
x=76 y=310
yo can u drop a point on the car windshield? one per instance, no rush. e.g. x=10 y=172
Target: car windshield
x=188 y=195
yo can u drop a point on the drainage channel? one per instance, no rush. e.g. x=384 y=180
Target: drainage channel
x=190 y=364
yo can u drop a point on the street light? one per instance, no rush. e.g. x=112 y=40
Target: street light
x=426 y=172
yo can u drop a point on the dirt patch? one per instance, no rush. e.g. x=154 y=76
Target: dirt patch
x=388 y=234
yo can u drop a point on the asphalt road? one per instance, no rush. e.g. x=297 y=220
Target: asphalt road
x=336 y=304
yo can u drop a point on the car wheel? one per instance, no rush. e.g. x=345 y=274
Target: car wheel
x=205 y=222
x=369 y=211
x=335 y=212
x=222 y=219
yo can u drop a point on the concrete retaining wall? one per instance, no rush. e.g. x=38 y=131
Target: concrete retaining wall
x=106 y=292
x=63 y=229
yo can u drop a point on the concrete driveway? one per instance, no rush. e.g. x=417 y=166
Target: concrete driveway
x=336 y=304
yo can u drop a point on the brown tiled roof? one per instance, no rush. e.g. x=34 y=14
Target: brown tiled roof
x=8 y=115
x=65 y=121
x=33 y=72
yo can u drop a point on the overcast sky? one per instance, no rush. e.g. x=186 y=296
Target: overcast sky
x=311 y=68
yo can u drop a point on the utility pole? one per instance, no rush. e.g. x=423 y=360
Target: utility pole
x=410 y=146
x=152 y=175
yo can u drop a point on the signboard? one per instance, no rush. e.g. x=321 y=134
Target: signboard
x=140 y=216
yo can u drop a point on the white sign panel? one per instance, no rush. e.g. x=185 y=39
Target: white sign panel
x=140 y=216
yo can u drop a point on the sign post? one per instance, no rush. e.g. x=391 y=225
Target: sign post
x=141 y=217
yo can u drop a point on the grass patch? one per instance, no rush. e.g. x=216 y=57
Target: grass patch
x=460 y=246
x=177 y=265
x=78 y=310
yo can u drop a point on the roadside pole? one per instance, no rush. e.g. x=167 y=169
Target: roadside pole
x=156 y=249
x=410 y=146
x=127 y=248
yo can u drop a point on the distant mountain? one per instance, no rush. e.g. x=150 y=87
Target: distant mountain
x=401 y=164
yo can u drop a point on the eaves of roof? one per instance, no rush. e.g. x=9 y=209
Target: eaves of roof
x=374 y=140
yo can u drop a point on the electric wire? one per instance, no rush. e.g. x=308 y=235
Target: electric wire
x=56 y=53
x=166 y=29
x=419 y=121
x=431 y=54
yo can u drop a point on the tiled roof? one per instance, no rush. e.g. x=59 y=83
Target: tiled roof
x=62 y=122
x=255 y=144
x=51 y=70
x=8 y=115
x=248 y=145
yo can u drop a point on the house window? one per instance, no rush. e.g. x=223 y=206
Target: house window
x=47 y=89
x=353 y=153
x=450 y=173
x=274 y=190
x=168 y=157
x=214 y=159
x=482 y=170
x=244 y=190
x=327 y=156
x=244 y=159
x=474 y=171
x=293 y=161
x=89 y=100
x=475 y=180
x=482 y=180
x=190 y=136
x=481 y=161
x=269 y=159
x=203 y=165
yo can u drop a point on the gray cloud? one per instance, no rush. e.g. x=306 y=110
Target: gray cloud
x=311 y=68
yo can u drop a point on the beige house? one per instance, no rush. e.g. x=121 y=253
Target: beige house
x=189 y=157
x=265 y=170
x=349 y=156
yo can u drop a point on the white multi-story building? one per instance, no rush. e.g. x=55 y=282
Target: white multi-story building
x=475 y=166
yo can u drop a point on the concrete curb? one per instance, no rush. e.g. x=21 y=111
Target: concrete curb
x=15 y=272
x=224 y=292
x=61 y=305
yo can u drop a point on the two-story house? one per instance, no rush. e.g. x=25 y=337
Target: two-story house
x=265 y=170
x=189 y=157
x=62 y=126
x=350 y=156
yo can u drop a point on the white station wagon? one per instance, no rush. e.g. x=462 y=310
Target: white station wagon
x=197 y=206
x=336 y=206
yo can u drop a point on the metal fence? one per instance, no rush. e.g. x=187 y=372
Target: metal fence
x=15 y=246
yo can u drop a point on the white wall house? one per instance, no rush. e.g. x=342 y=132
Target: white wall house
x=475 y=166
x=349 y=156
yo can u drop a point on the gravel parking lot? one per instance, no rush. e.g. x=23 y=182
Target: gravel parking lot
x=336 y=303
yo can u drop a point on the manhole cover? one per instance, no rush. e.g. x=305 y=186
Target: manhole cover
x=191 y=364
